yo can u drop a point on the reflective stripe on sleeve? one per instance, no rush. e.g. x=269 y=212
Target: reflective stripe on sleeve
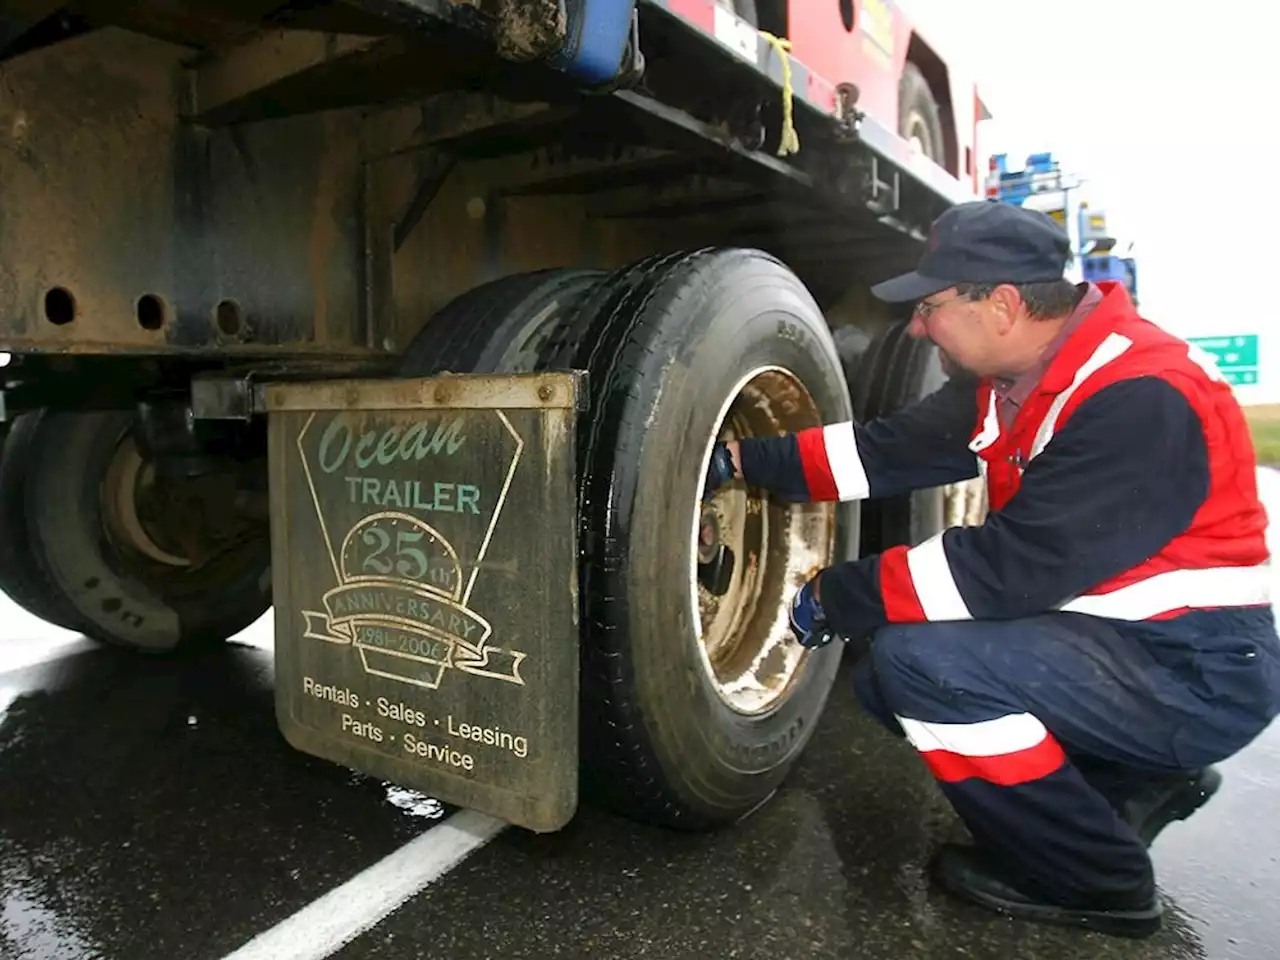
x=935 y=586
x=832 y=467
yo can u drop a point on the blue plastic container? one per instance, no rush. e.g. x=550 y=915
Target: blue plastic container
x=598 y=31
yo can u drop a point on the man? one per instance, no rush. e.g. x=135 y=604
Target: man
x=1070 y=668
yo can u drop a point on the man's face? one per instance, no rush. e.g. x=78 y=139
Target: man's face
x=966 y=332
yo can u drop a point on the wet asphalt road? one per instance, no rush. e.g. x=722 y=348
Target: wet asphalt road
x=151 y=810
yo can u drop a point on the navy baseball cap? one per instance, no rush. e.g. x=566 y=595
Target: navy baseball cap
x=983 y=242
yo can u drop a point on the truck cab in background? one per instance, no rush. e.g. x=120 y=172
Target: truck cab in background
x=1042 y=185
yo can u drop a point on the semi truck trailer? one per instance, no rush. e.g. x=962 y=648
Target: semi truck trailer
x=413 y=322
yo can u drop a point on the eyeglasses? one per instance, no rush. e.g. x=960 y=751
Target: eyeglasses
x=925 y=309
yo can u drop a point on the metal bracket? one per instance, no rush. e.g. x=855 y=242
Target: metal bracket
x=225 y=398
x=241 y=395
x=879 y=188
x=848 y=117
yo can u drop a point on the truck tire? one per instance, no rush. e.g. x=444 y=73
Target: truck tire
x=895 y=371
x=21 y=578
x=678 y=728
x=919 y=119
x=106 y=541
x=664 y=342
x=500 y=326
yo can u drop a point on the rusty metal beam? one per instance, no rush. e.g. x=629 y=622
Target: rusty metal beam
x=587 y=175
x=462 y=123
x=232 y=81
x=688 y=197
x=520 y=32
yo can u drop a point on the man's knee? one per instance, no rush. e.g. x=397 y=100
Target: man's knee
x=866 y=689
x=912 y=647
x=929 y=661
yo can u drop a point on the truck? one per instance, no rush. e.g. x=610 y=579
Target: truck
x=1042 y=185
x=412 y=324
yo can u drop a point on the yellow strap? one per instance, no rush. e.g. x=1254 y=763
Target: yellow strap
x=789 y=141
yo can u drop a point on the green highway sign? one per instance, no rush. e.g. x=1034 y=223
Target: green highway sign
x=1235 y=355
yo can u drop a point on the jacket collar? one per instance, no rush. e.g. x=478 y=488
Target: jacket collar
x=1114 y=308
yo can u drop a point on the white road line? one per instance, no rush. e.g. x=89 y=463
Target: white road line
x=326 y=925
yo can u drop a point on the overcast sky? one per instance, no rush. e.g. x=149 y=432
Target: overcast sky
x=1176 y=135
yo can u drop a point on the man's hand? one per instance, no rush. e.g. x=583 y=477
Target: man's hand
x=723 y=469
x=808 y=621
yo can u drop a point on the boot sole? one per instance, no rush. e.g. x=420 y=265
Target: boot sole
x=1133 y=924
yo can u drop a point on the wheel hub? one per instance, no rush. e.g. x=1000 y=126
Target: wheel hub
x=752 y=554
x=127 y=476
x=708 y=537
x=173 y=526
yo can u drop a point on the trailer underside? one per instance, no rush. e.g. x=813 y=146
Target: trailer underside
x=222 y=188
x=205 y=201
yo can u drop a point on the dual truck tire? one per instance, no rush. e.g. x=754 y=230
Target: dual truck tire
x=676 y=729
x=695 y=701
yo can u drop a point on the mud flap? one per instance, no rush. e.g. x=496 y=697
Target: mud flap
x=424 y=566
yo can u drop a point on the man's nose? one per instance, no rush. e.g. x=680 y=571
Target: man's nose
x=915 y=328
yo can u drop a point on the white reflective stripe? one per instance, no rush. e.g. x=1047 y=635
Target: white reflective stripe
x=1201 y=359
x=935 y=586
x=1110 y=348
x=846 y=465
x=986 y=738
x=990 y=427
x=1179 y=589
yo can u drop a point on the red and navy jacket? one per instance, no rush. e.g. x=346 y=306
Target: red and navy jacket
x=1125 y=487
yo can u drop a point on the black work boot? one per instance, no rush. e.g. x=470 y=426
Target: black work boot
x=1158 y=803
x=969 y=873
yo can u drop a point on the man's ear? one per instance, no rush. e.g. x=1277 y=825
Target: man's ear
x=1006 y=304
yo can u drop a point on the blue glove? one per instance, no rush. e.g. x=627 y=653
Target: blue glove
x=720 y=472
x=808 y=621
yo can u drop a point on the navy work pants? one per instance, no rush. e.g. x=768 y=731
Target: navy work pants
x=1020 y=721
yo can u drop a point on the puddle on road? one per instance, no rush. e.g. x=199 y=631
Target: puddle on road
x=35 y=931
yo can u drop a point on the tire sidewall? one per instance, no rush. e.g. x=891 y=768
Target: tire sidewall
x=23 y=576
x=915 y=97
x=70 y=458
x=747 y=312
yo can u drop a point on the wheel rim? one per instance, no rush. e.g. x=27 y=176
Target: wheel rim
x=126 y=477
x=918 y=135
x=964 y=503
x=746 y=646
x=164 y=530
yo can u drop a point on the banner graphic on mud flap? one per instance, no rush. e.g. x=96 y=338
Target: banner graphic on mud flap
x=394 y=619
x=399 y=599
